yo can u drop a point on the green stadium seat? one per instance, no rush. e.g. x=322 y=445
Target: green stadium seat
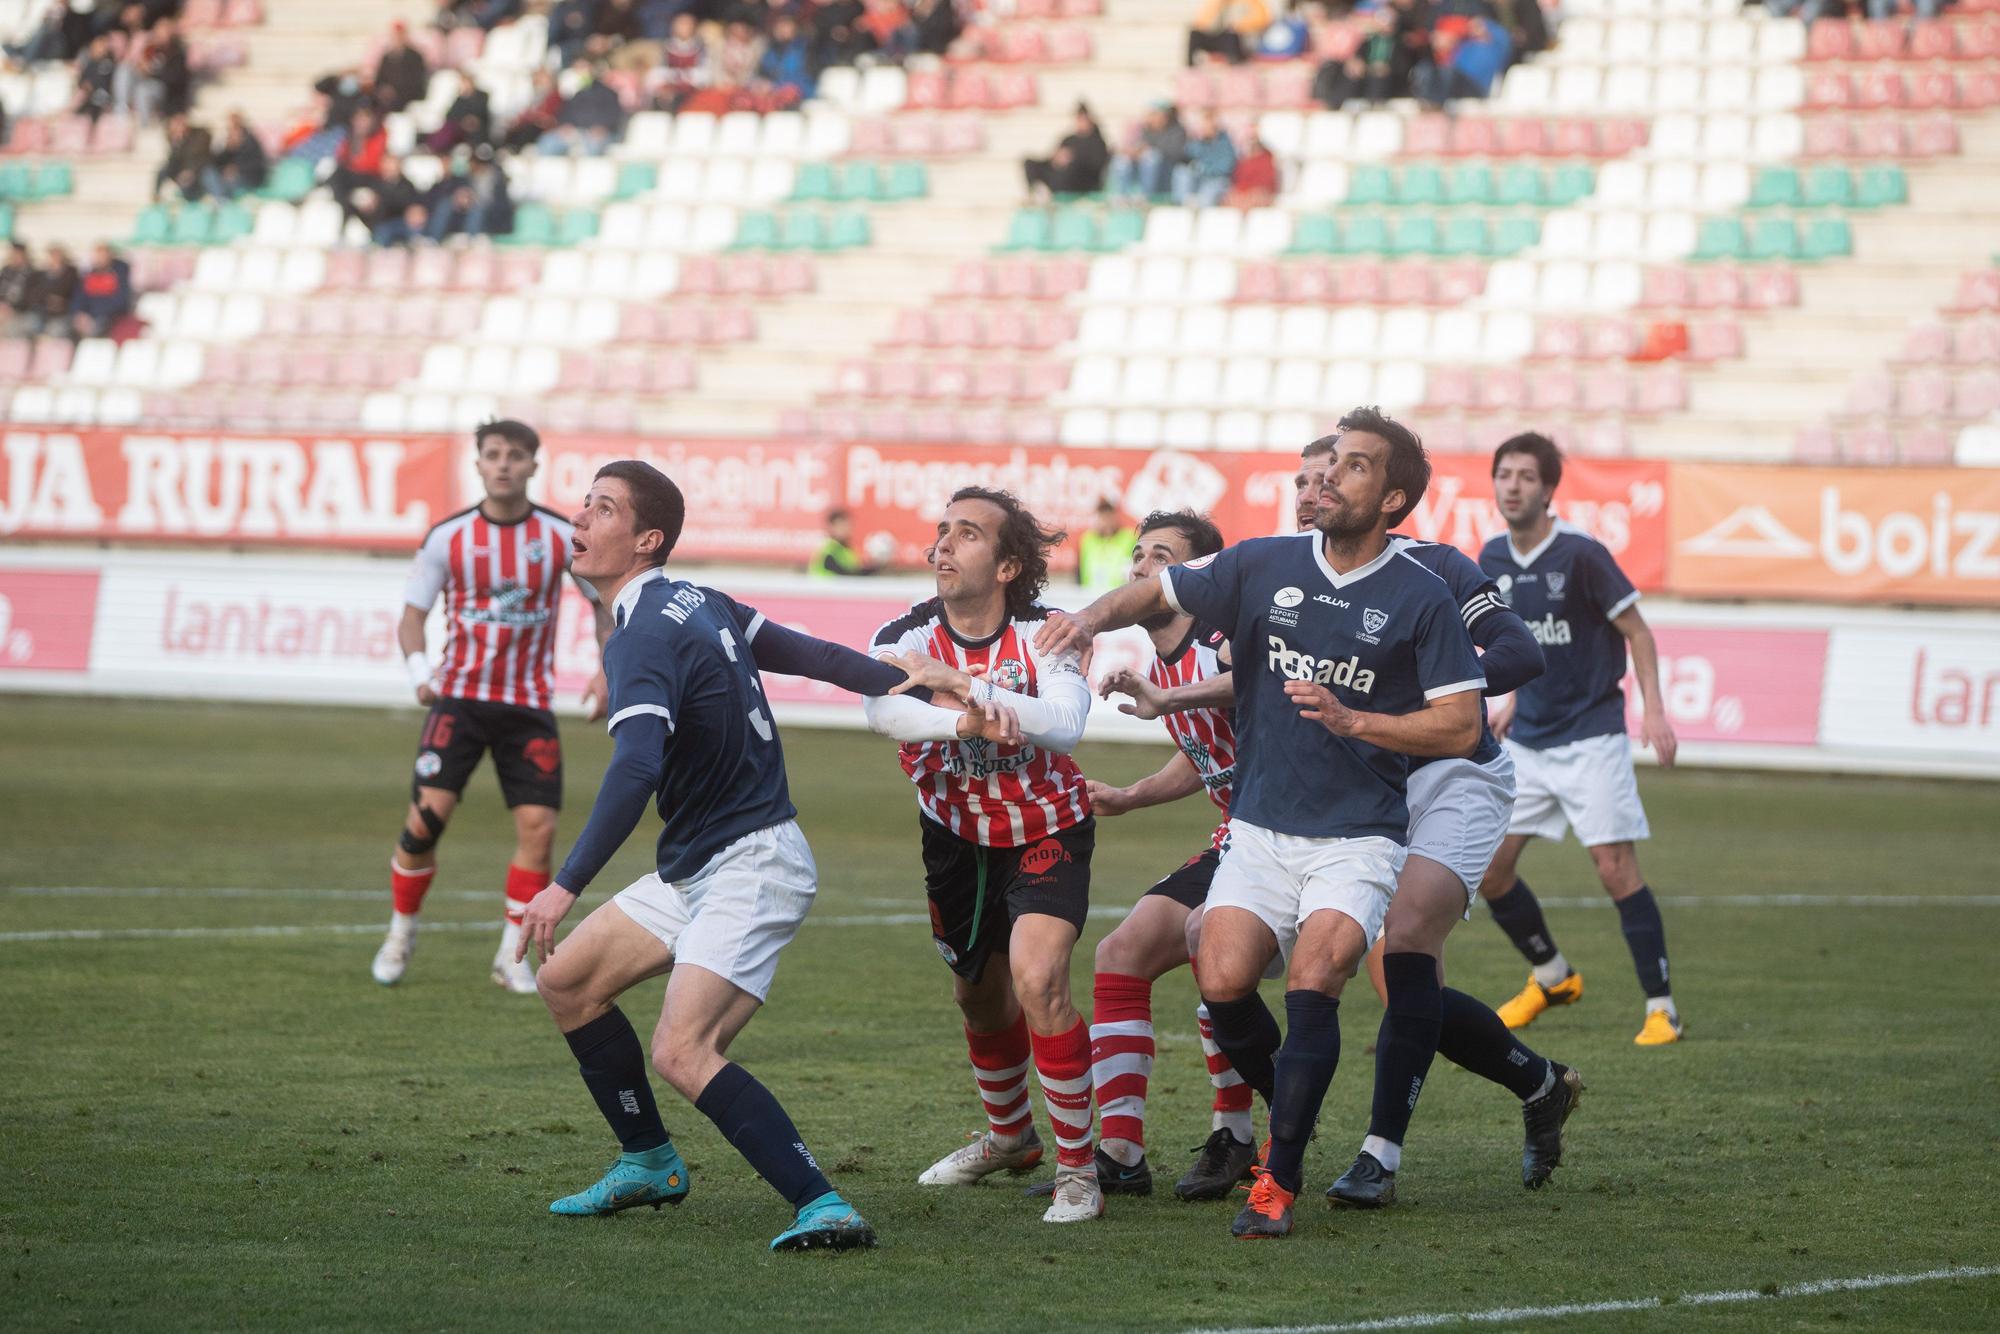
x=55 y=180
x=1465 y=234
x=1777 y=187
x=634 y=179
x=154 y=226
x=1521 y=184
x=1420 y=185
x=290 y=180
x=578 y=225
x=1030 y=230
x=1569 y=184
x=6 y=221
x=533 y=225
x=1315 y=234
x=15 y=180
x=861 y=180
x=814 y=183
x=1514 y=235
x=1827 y=238
x=1075 y=229
x=194 y=225
x=909 y=180
x=849 y=230
x=756 y=230
x=1371 y=185
x=1722 y=238
x=1364 y=234
x=233 y=222
x=1122 y=227
x=1416 y=234
x=1881 y=185
x=1473 y=183
x=1829 y=187
x=801 y=229
x=1774 y=238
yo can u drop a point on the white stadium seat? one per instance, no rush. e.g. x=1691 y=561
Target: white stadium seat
x=1197 y=382
x=1246 y=381
x=1152 y=328
x=1085 y=427
x=1210 y=278
x=1136 y=428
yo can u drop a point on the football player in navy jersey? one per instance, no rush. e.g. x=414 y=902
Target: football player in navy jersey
x=694 y=737
x=1349 y=657
x=1566 y=734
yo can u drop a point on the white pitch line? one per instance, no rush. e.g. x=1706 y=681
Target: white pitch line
x=1505 y=1315
x=225 y=932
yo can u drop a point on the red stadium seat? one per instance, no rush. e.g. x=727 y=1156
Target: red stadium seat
x=1932 y=89
x=1059 y=278
x=1868 y=445
x=1473 y=136
x=1882 y=88
x=1925 y=447
x=1359 y=283
x=1925 y=345
x=1772 y=289
x=1827 y=136
x=885 y=424
x=1021 y=278
x=1932 y=40
x=1051 y=327
x=15 y=353
x=1043 y=380
x=912 y=329
x=1715 y=340
x=1551 y=391
x=1829 y=40
x=1661 y=390
x=947 y=380
x=1934 y=136
x=1015 y=89
x=1007 y=328
x=1239 y=86
x=1619 y=137
x=1410 y=283
x=1717 y=287
x=1977 y=343
x=958 y=326
x=1289 y=85
x=1615 y=340
x=1034 y=428
x=1069 y=45
x=929 y=90
x=1979 y=89
x=916 y=136
x=1449 y=387
x=1426 y=135
x=1665 y=288
x=1573 y=138
x=1977 y=395
x=1458 y=282
x=1924 y=393
x=387 y=268
x=1870 y=395
x=284 y=317
x=1979 y=40
x=1879 y=41
x=961 y=134
x=354 y=368
x=1829 y=89
x=1880 y=136
x=994 y=379
x=745 y=275
x=1977 y=290
x=1521 y=136
x=1606 y=390
x=1502 y=389
x=985 y=426
x=701 y=275
x=1816 y=444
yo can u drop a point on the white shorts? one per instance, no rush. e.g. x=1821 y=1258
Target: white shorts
x=1286 y=878
x=1459 y=813
x=736 y=913
x=1587 y=786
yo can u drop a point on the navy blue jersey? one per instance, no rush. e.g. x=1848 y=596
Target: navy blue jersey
x=682 y=654
x=1384 y=638
x=1568 y=589
x=1478 y=597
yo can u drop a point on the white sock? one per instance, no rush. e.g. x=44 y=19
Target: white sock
x=1548 y=1082
x=1663 y=1003
x=402 y=925
x=1383 y=1152
x=1123 y=1151
x=510 y=940
x=1237 y=1124
x=1552 y=973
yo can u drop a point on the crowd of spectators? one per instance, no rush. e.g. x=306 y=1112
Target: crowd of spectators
x=198 y=166
x=57 y=299
x=1196 y=164
x=129 y=58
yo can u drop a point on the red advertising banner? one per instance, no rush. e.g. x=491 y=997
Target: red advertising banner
x=46 y=619
x=1722 y=683
x=288 y=490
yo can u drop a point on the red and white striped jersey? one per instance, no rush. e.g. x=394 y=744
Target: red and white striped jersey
x=994 y=795
x=501 y=584
x=1206 y=736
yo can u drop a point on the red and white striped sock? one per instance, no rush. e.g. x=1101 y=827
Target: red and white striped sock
x=1232 y=1095
x=1063 y=1064
x=1121 y=1054
x=408 y=887
x=522 y=886
x=1000 y=1067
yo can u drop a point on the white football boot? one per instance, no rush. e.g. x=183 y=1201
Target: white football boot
x=393 y=959
x=1078 y=1198
x=982 y=1158
x=508 y=973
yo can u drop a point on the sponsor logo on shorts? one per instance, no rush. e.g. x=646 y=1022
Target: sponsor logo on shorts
x=1044 y=857
x=950 y=954
x=545 y=753
x=428 y=764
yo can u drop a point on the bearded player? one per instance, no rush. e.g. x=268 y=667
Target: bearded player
x=1007 y=834
x=499 y=566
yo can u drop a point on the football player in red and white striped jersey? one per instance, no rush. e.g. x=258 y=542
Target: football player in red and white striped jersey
x=499 y=568
x=1154 y=939
x=1007 y=833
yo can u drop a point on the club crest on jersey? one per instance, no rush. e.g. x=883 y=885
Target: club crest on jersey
x=535 y=552
x=1505 y=583
x=1557 y=580
x=1372 y=622
x=1008 y=674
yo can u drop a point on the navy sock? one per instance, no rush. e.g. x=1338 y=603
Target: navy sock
x=1305 y=1067
x=613 y=1066
x=751 y=1119
x=1646 y=937
x=1248 y=1036
x=1520 y=916
x=1471 y=1036
x=1407 y=1043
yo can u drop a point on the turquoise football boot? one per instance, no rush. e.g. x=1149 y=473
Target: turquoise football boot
x=655 y=1177
x=828 y=1223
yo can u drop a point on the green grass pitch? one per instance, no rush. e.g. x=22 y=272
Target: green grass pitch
x=243 y=1131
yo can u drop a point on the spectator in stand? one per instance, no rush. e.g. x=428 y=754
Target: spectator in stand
x=1527 y=26
x=383 y=205
x=1467 y=56
x=1210 y=169
x=1288 y=37
x=485 y=15
x=468 y=120
x=103 y=294
x=937 y=24
x=887 y=23
x=1367 y=71
x=733 y=61
x=657 y=17
x=617 y=42
x=838 y=38
x=572 y=23
x=474 y=200
x=358 y=163
x=786 y=71
x=239 y=164
x=402 y=75
x=1078 y=164
x=1414 y=22
x=837 y=557
x=538 y=117
x=1146 y=169
x=591 y=117
x=187 y=159
x=17 y=291
x=54 y=290
x=51 y=39
x=683 y=70
x=1104 y=550
x=1256 y=181
x=154 y=79
x=96 y=75
x=1227 y=29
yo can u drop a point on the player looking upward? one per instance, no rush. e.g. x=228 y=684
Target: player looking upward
x=1348 y=658
x=1566 y=734
x=1152 y=941
x=693 y=736
x=499 y=566
x=1007 y=834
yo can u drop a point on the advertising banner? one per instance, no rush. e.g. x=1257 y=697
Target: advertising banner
x=46 y=619
x=1926 y=688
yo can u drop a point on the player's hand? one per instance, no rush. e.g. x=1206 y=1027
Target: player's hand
x=538 y=924
x=991 y=721
x=1501 y=719
x=1107 y=800
x=1317 y=705
x=1148 y=700
x=599 y=695
x=426 y=696
x=1658 y=733
x=937 y=677
x=1066 y=632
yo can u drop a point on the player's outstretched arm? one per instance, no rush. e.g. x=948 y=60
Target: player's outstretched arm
x=1654 y=729
x=1128 y=604
x=1151 y=701
x=1509 y=654
x=1177 y=778
x=779 y=648
x=1053 y=719
x=1447 y=726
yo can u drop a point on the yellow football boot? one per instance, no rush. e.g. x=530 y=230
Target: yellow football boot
x=1661 y=1028
x=1534 y=998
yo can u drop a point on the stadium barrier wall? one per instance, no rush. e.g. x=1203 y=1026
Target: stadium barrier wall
x=1826 y=688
